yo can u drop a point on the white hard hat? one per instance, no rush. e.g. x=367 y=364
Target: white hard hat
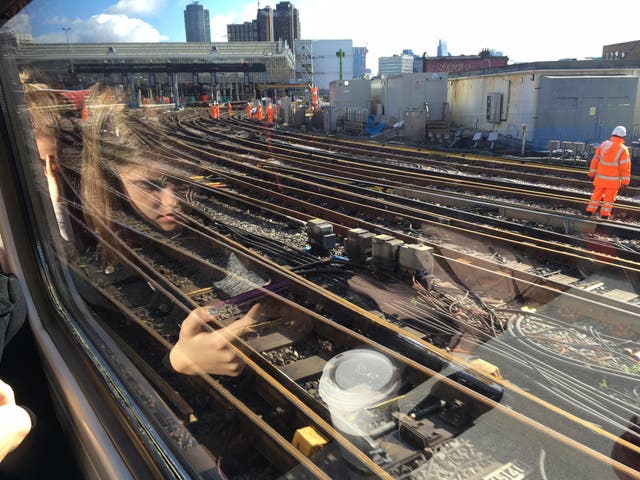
x=619 y=131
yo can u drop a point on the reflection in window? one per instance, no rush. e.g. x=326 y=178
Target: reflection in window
x=368 y=343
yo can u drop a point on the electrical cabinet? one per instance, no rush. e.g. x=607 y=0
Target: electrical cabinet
x=494 y=107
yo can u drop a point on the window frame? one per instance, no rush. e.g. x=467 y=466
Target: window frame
x=113 y=436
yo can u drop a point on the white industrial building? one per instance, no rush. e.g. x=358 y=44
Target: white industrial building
x=411 y=99
x=349 y=105
x=317 y=62
x=413 y=92
x=576 y=101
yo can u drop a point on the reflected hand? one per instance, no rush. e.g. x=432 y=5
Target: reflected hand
x=200 y=348
x=15 y=421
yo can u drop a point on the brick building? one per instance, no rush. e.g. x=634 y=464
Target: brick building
x=620 y=51
x=463 y=63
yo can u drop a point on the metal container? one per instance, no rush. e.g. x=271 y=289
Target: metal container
x=553 y=145
x=415 y=125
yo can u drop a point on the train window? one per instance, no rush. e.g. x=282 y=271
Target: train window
x=279 y=279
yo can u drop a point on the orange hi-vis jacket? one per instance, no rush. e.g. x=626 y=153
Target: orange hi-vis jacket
x=611 y=164
x=259 y=115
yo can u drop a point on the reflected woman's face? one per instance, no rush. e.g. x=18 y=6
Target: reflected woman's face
x=151 y=196
x=47 y=145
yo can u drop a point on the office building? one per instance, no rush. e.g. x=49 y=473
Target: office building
x=286 y=23
x=318 y=64
x=196 y=23
x=442 y=48
x=395 y=65
x=242 y=32
x=258 y=30
x=622 y=51
x=279 y=25
x=417 y=60
x=418 y=63
x=359 y=61
x=265 y=25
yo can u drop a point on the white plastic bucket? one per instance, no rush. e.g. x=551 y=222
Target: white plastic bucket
x=352 y=383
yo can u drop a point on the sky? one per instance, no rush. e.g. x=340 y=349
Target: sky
x=525 y=32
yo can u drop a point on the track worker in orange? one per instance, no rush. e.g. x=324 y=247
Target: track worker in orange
x=610 y=169
x=259 y=113
x=269 y=113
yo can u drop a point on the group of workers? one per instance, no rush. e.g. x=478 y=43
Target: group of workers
x=258 y=112
x=215 y=110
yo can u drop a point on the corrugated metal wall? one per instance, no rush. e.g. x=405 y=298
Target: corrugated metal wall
x=411 y=91
x=583 y=108
x=576 y=106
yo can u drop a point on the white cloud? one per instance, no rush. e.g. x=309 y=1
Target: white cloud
x=136 y=7
x=219 y=27
x=18 y=24
x=106 y=28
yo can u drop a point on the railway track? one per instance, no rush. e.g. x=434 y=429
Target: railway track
x=585 y=247
x=391 y=179
x=542 y=175
x=529 y=170
x=269 y=344
x=443 y=401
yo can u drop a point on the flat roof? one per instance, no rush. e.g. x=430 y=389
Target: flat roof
x=553 y=65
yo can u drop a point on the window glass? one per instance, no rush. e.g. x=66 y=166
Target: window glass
x=295 y=267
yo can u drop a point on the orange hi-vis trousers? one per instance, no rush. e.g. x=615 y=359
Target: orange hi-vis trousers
x=607 y=195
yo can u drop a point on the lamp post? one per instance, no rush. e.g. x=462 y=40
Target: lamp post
x=66 y=32
x=340 y=55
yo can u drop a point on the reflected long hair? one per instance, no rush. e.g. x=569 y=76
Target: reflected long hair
x=108 y=142
x=43 y=107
